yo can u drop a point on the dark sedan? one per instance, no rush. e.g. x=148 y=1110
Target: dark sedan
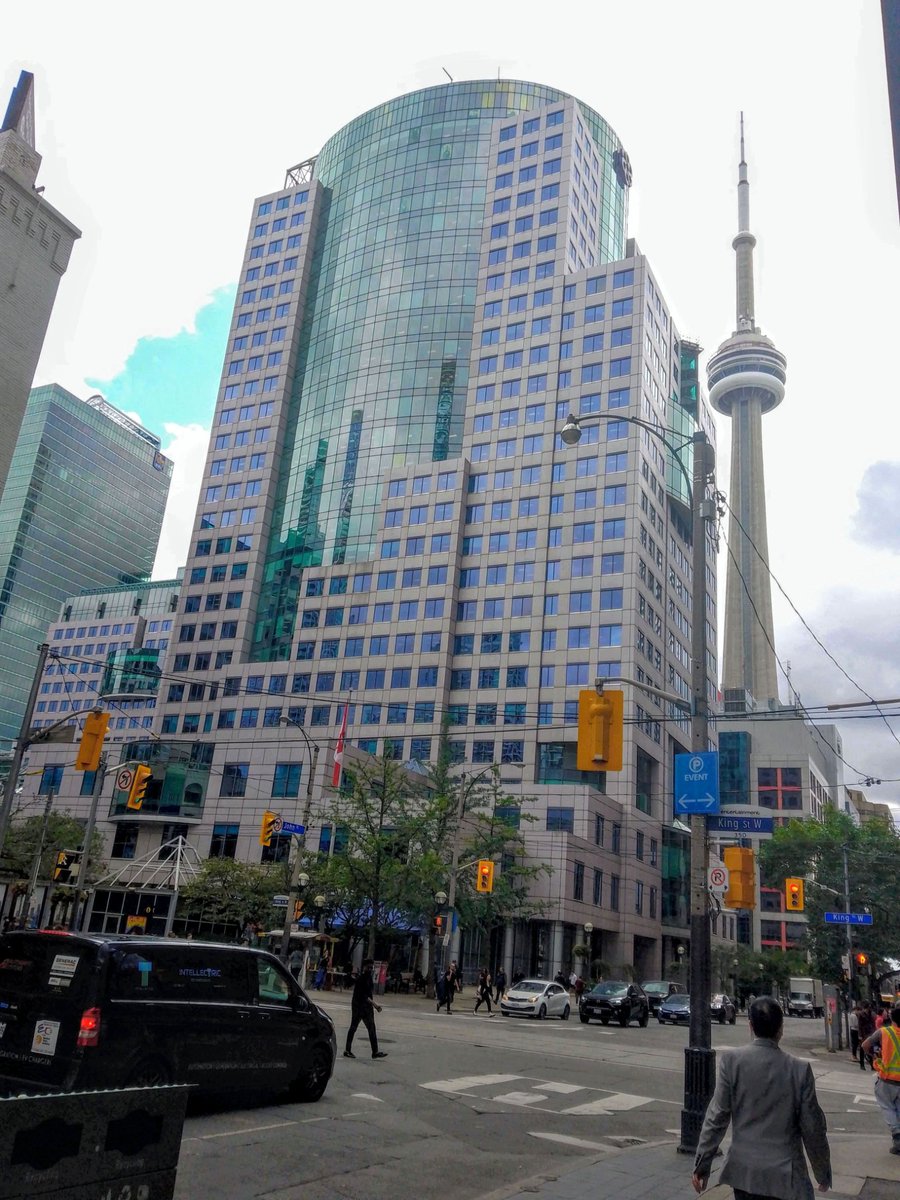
x=615 y=1000
x=675 y=1011
x=658 y=990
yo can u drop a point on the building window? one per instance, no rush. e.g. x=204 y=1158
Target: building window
x=286 y=781
x=223 y=843
x=560 y=820
x=125 y=840
x=578 y=881
x=234 y=782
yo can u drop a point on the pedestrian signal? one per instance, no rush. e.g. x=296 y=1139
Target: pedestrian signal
x=67 y=864
x=92 y=735
x=484 y=879
x=862 y=961
x=438 y=924
x=142 y=777
x=793 y=895
x=601 y=717
x=298 y=909
x=271 y=824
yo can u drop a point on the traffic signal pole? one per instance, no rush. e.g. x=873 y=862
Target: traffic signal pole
x=851 y=961
x=79 y=909
x=699 y=1057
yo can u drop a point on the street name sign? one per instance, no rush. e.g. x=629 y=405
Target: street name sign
x=697 y=782
x=832 y=918
x=291 y=827
x=721 y=823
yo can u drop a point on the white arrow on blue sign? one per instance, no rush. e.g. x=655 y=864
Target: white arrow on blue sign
x=834 y=918
x=697 y=782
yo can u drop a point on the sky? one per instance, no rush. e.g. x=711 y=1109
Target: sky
x=158 y=127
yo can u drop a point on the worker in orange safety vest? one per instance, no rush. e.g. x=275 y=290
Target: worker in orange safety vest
x=886 y=1041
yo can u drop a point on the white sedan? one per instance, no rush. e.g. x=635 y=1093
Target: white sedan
x=536 y=998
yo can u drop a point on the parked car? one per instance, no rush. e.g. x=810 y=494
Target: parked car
x=83 y=1011
x=615 y=1000
x=722 y=1008
x=675 y=1011
x=536 y=998
x=658 y=990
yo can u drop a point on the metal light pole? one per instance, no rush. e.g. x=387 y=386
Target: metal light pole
x=700 y=1059
x=79 y=911
x=294 y=886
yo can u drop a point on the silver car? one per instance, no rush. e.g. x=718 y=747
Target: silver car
x=536 y=998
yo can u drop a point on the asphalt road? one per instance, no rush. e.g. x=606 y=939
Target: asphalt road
x=466 y=1106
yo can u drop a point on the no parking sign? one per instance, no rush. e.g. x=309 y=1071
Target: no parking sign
x=718 y=879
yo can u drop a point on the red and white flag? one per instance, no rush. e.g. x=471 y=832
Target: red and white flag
x=339 y=752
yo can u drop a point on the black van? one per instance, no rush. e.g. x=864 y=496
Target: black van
x=82 y=1011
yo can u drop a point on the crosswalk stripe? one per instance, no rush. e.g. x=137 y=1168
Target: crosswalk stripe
x=565 y=1140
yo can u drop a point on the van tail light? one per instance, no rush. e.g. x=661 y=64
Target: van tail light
x=89 y=1029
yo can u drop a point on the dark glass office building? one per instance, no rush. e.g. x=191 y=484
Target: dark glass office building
x=82 y=508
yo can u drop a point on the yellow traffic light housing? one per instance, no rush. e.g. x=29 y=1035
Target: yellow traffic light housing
x=271 y=823
x=793 y=895
x=601 y=718
x=92 y=735
x=137 y=791
x=484 y=878
x=741 y=866
x=298 y=909
x=66 y=869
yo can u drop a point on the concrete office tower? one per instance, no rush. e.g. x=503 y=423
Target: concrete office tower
x=82 y=508
x=35 y=244
x=746 y=380
x=388 y=511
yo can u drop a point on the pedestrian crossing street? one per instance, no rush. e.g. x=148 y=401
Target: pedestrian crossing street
x=539 y=1095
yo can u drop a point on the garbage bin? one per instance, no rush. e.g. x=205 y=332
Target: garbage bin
x=90 y=1145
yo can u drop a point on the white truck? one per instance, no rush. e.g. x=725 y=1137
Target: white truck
x=805 y=998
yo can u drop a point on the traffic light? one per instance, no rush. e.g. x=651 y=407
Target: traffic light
x=484 y=878
x=298 y=909
x=142 y=776
x=741 y=877
x=601 y=718
x=67 y=864
x=271 y=823
x=793 y=895
x=438 y=924
x=862 y=963
x=92 y=735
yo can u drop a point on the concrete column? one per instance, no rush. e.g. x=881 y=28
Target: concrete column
x=509 y=938
x=556 y=948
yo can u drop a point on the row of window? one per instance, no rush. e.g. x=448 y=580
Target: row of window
x=280 y=312
x=266 y=292
x=256 y=462
x=224 y=545
x=283 y=202
x=223 y=441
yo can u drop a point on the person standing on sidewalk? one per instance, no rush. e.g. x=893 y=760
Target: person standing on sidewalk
x=483 y=987
x=499 y=985
x=866 y=1024
x=853 y=1026
x=886 y=1041
x=769 y=1099
x=363 y=1009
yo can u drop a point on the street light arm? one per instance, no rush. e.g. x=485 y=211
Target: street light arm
x=571 y=435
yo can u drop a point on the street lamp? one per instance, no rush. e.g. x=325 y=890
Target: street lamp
x=699 y=1056
x=294 y=887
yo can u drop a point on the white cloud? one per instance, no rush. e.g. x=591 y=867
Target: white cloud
x=186 y=446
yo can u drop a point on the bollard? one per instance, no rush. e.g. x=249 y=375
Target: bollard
x=92 y=1145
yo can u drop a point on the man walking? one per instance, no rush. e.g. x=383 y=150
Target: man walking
x=499 y=985
x=363 y=1008
x=865 y=1028
x=886 y=1041
x=769 y=1098
x=483 y=987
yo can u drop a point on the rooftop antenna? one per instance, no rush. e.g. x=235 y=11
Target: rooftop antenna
x=447 y=73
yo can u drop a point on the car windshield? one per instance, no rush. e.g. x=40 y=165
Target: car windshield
x=719 y=998
x=609 y=989
x=529 y=985
x=678 y=1002
x=655 y=988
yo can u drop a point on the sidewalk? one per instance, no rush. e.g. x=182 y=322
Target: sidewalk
x=863 y=1170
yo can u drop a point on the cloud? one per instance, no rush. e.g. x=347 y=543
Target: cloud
x=163 y=375
x=874 y=522
x=861 y=631
x=186 y=445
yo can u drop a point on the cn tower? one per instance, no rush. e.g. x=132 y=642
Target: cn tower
x=746 y=379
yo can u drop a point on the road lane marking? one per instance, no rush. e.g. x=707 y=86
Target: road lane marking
x=468 y=1081
x=562 y=1088
x=521 y=1098
x=616 y=1102
x=565 y=1140
x=365 y=1096
x=208 y=1137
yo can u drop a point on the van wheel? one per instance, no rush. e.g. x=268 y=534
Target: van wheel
x=152 y=1072
x=310 y=1084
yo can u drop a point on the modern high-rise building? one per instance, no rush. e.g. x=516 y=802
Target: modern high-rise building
x=35 y=244
x=390 y=520
x=82 y=508
x=746 y=380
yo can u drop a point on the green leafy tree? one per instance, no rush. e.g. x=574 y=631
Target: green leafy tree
x=225 y=891
x=814 y=851
x=62 y=832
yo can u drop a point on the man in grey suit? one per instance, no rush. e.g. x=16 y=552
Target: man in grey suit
x=770 y=1100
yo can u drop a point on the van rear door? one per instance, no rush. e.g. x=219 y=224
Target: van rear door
x=47 y=996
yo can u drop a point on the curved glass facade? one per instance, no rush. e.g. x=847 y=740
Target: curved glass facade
x=383 y=357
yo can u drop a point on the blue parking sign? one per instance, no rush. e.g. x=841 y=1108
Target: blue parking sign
x=697 y=782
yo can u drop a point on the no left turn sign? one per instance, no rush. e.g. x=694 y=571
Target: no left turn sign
x=124 y=779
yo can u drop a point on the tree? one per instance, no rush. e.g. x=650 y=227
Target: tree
x=231 y=893
x=36 y=841
x=814 y=851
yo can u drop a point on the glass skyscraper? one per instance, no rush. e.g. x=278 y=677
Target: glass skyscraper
x=82 y=508
x=390 y=521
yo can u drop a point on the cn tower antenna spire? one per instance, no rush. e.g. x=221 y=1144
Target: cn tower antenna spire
x=743 y=248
